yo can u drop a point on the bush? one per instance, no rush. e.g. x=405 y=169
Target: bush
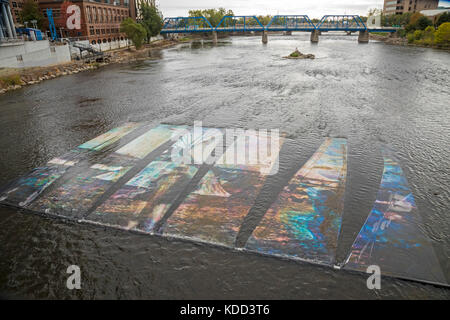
x=13 y=80
x=410 y=37
x=418 y=34
x=401 y=33
x=442 y=34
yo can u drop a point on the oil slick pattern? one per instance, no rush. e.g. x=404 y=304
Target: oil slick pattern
x=109 y=137
x=76 y=195
x=24 y=190
x=215 y=210
x=390 y=237
x=143 y=200
x=304 y=222
x=98 y=173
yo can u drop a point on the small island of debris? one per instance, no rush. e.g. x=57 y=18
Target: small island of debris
x=298 y=55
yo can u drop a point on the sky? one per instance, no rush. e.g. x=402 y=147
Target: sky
x=313 y=8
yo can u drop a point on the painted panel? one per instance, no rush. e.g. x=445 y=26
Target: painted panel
x=391 y=238
x=215 y=210
x=24 y=190
x=76 y=195
x=109 y=137
x=149 y=141
x=98 y=173
x=144 y=200
x=304 y=222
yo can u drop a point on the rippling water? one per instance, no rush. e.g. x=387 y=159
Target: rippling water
x=370 y=94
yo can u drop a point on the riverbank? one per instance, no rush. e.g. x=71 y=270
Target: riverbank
x=387 y=39
x=13 y=78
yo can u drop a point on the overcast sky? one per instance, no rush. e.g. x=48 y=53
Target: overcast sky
x=313 y=8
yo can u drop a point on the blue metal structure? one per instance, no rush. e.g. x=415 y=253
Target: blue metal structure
x=350 y=23
x=341 y=23
x=239 y=23
x=187 y=25
x=51 y=24
x=290 y=23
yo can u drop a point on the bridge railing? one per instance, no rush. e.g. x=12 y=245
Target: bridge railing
x=278 y=23
x=239 y=23
x=290 y=23
x=186 y=24
x=341 y=22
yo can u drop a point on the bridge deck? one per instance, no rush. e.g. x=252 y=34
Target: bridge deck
x=348 y=23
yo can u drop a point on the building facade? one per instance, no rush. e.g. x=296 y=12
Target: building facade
x=100 y=19
x=403 y=6
x=7 y=27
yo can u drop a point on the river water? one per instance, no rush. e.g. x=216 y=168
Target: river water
x=371 y=94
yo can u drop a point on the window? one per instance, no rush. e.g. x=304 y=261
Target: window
x=14 y=4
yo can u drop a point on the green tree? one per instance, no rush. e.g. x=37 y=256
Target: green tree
x=443 y=18
x=151 y=20
x=30 y=11
x=442 y=34
x=212 y=15
x=423 y=23
x=134 y=31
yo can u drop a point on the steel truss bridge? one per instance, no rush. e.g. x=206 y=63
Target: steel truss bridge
x=287 y=23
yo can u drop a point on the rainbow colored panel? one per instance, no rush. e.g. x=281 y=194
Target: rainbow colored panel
x=391 y=238
x=304 y=222
x=143 y=201
x=109 y=137
x=24 y=190
x=215 y=210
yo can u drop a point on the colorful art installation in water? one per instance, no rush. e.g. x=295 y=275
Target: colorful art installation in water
x=305 y=220
x=109 y=137
x=141 y=179
x=141 y=202
x=215 y=210
x=391 y=238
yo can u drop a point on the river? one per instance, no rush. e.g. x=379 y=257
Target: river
x=371 y=94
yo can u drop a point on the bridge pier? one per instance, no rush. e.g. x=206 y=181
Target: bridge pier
x=363 y=36
x=214 y=37
x=264 y=37
x=315 y=36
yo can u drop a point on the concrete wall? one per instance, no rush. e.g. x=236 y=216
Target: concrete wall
x=33 y=54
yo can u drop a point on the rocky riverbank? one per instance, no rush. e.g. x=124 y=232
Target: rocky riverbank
x=13 y=79
x=393 y=40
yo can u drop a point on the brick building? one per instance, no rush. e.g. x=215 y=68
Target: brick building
x=403 y=6
x=100 y=19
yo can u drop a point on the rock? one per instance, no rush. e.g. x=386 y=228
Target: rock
x=298 y=55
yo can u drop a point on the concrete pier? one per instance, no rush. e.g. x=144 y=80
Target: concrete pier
x=315 y=36
x=363 y=36
x=264 y=37
x=214 y=37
